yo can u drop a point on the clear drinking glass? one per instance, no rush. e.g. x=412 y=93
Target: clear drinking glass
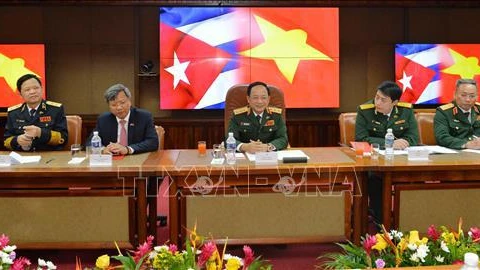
x=75 y=149
x=217 y=151
x=375 y=150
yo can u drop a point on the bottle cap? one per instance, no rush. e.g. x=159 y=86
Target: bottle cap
x=470 y=259
x=389 y=130
x=230 y=134
x=95 y=133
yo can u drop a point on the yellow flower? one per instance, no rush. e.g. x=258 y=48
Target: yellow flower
x=103 y=262
x=233 y=264
x=211 y=266
x=415 y=239
x=402 y=245
x=381 y=243
x=449 y=238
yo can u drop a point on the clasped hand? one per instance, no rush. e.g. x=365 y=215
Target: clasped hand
x=29 y=133
x=115 y=149
x=254 y=146
x=400 y=144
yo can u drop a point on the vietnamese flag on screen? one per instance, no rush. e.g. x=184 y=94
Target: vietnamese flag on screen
x=299 y=54
x=204 y=51
x=16 y=61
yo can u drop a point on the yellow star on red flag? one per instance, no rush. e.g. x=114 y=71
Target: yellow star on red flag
x=11 y=69
x=286 y=48
x=466 y=67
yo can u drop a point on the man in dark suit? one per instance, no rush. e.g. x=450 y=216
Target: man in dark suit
x=125 y=130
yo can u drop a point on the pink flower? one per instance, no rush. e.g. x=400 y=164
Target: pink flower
x=379 y=263
x=475 y=231
x=12 y=255
x=249 y=257
x=143 y=249
x=172 y=248
x=433 y=233
x=368 y=243
x=207 y=251
x=3 y=241
x=20 y=264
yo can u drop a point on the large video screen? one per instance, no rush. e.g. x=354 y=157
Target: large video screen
x=17 y=60
x=427 y=72
x=206 y=50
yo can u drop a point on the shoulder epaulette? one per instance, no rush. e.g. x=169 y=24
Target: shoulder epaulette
x=14 y=107
x=240 y=110
x=367 y=106
x=447 y=106
x=275 y=110
x=55 y=104
x=404 y=104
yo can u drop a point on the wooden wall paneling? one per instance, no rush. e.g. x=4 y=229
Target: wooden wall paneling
x=183 y=134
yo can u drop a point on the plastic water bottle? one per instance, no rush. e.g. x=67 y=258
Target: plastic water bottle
x=96 y=144
x=231 y=148
x=389 y=138
x=470 y=261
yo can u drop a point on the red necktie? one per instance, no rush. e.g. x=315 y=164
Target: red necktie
x=123 y=133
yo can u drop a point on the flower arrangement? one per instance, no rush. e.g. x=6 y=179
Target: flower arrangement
x=441 y=246
x=198 y=254
x=9 y=260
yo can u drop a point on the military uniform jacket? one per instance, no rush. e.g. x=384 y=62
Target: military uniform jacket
x=371 y=126
x=272 y=129
x=452 y=127
x=50 y=117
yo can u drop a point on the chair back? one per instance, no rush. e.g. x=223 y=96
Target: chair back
x=74 y=126
x=425 y=128
x=237 y=97
x=161 y=137
x=346 y=121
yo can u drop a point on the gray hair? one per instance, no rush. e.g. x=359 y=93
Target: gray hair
x=465 y=81
x=113 y=91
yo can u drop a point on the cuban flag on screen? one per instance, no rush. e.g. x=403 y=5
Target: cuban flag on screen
x=417 y=72
x=198 y=60
x=427 y=72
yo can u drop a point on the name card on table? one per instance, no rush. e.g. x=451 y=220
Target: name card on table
x=5 y=160
x=100 y=160
x=418 y=154
x=266 y=158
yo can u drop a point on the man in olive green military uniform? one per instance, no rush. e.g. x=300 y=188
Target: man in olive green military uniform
x=373 y=119
x=258 y=127
x=457 y=124
x=385 y=111
x=37 y=124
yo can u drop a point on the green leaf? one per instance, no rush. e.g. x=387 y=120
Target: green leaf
x=127 y=262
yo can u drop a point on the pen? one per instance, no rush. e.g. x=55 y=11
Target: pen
x=48 y=161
